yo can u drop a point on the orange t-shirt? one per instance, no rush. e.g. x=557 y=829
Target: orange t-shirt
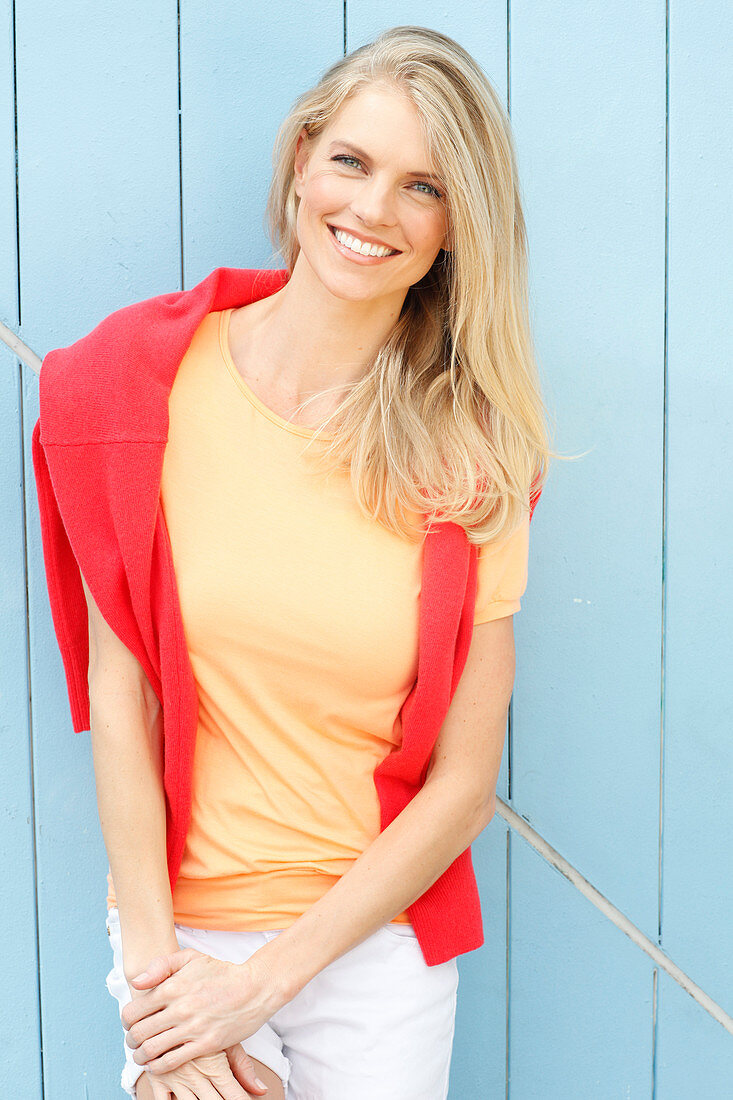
x=301 y=620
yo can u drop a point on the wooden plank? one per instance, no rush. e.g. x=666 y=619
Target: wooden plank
x=694 y=1055
x=237 y=88
x=478 y=1065
x=581 y=993
x=99 y=228
x=19 y=1014
x=20 y=1065
x=588 y=106
x=697 y=898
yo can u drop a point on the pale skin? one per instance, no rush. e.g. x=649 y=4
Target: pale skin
x=337 y=311
x=126 y=722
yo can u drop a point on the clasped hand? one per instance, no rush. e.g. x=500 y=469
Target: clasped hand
x=195 y=1005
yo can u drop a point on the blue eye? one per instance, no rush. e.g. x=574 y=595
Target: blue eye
x=420 y=183
x=432 y=190
x=343 y=156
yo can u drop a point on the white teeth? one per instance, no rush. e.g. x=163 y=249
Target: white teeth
x=361 y=247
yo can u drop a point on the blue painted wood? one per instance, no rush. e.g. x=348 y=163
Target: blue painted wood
x=697 y=899
x=99 y=179
x=8 y=223
x=481 y=28
x=478 y=1065
x=694 y=1055
x=239 y=77
x=99 y=227
x=20 y=1063
x=19 y=1008
x=589 y=113
x=581 y=994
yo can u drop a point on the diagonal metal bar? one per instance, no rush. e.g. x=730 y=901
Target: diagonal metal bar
x=19 y=349
x=609 y=910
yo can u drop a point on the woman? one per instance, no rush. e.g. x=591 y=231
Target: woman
x=304 y=944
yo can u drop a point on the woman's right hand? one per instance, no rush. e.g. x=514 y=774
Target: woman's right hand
x=206 y=1078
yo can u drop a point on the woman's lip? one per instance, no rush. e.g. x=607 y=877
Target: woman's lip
x=395 y=251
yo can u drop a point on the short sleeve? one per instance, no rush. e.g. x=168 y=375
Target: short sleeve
x=502 y=575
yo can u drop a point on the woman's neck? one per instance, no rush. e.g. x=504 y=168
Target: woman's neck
x=304 y=339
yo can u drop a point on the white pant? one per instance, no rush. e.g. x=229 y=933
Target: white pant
x=376 y=1022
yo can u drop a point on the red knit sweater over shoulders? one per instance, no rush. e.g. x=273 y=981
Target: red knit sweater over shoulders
x=97 y=452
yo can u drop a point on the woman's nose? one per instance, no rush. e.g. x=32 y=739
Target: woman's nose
x=373 y=204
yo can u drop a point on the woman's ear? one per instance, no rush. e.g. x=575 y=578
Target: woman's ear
x=301 y=159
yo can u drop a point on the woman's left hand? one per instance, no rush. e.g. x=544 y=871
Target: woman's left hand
x=197 y=1005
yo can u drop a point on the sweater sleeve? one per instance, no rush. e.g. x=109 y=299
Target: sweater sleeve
x=65 y=591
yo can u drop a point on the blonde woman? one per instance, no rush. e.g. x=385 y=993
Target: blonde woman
x=351 y=449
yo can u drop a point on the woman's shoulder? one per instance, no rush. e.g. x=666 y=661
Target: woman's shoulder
x=103 y=385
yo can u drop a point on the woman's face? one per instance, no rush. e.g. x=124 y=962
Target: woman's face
x=367 y=173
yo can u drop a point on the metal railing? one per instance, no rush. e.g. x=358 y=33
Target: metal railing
x=19 y=349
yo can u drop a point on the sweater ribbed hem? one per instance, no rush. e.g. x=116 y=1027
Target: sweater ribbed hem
x=447 y=917
x=77 y=685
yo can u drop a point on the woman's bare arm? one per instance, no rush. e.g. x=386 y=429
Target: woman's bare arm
x=127 y=743
x=126 y=730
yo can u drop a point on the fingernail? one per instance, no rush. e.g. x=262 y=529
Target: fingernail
x=260 y=1084
x=141 y=977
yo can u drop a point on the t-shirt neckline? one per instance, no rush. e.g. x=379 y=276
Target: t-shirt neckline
x=265 y=410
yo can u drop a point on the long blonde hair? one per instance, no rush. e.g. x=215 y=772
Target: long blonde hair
x=448 y=421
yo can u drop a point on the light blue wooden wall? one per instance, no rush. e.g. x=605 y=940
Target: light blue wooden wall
x=134 y=158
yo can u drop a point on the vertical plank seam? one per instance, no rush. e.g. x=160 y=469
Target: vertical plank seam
x=663 y=548
x=24 y=532
x=508 y=960
x=29 y=706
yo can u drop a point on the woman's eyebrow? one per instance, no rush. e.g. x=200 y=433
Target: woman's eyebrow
x=365 y=156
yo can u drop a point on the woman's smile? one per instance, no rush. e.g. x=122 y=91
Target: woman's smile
x=350 y=250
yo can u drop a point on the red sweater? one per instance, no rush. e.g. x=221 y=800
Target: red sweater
x=97 y=452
